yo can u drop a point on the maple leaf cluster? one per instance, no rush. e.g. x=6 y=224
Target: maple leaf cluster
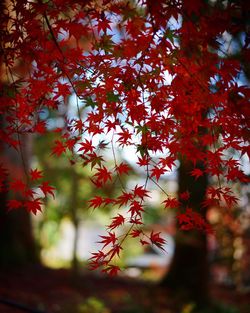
x=153 y=75
x=30 y=195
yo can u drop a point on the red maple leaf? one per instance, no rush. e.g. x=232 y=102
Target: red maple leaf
x=157 y=172
x=47 y=189
x=112 y=270
x=79 y=125
x=135 y=233
x=59 y=148
x=171 y=203
x=157 y=240
x=124 y=198
x=86 y=146
x=136 y=208
x=102 y=175
x=141 y=192
x=110 y=239
x=18 y=186
x=40 y=127
x=103 y=25
x=144 y=242
x=185 y=195
x=124 y=138
x=96 y=202
x=98 y=256
x=35 y=174
x=117 y=221
x=123 y=168
x=14 y=204
x=168 y=162
x=70 y=143
x=115 y=251
x=136 y=220
x=196 y=173
x=33 y=205
x=143 y=161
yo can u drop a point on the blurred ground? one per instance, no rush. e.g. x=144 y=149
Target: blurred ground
x=56 y=291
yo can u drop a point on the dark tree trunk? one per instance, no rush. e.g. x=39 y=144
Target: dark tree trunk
x=17 y=244
x=16 y=240
x=188 y=274
x=75 y=220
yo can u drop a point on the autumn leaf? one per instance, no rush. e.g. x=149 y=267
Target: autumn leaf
x=157 y=172
x=123 y=168
x=171 y=203
x=124 y=198
x=33 y=205
x=103 y=25
x=135 y=233
x=35 y=174
x=156 y=89
x=137 y=220
x=18 y=186
x=196 y=173
x=157 y=240
x=117 y=221
x=14 y=204
x=98 y=256
x=110 y=239
x=112 y=270
x=185 y=195
x=40 y=127
x=58 y=148
x=143 y=161
x=144 y=242
x=136 y=208
x=124 y=138
x=96 y=202
x=47 y=189
x=141 y=192
x=115 y=251
x=86 y=146
x=102 y=175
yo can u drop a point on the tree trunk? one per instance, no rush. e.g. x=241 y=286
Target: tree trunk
x=16 y=238
x=17 y=244
x=75 y=220
x=188 y=274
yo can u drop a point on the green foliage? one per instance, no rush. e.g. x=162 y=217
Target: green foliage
x=111 y=97
x=93 y=305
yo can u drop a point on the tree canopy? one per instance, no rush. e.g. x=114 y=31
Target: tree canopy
x=165 y=79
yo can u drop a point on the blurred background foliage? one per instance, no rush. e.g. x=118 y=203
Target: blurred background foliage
x=67 y=230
